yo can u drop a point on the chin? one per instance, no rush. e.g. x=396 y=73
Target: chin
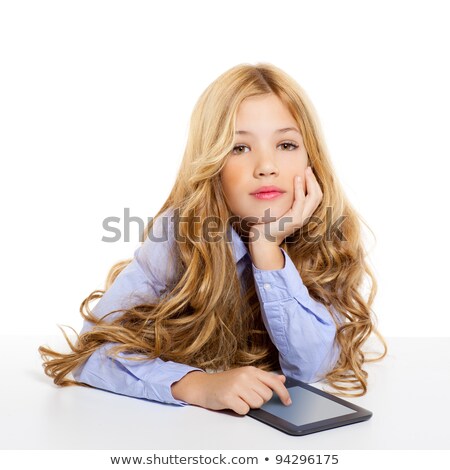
x=269 y=211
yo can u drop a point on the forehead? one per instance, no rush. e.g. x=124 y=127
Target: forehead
x=263 y=112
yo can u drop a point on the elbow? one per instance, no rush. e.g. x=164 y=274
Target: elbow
x=311 y=368
x=326 y=365
x=81 y=374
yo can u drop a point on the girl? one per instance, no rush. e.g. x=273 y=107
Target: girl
x=242 y=272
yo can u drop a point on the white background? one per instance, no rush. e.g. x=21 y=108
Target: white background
x=95 y=101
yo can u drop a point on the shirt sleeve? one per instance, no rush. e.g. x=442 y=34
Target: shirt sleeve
x=144 y=279
x=301 y=328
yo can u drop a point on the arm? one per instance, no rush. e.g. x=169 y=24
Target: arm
x=150 y=379
x=301 y=328
x=142 y=280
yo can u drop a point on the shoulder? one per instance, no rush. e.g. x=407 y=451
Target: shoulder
x=155 y=255
x=162 y=229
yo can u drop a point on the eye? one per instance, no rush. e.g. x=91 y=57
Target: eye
x=289 y=144
x=237 y=147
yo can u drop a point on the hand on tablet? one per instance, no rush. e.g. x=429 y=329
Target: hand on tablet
x=237 y=389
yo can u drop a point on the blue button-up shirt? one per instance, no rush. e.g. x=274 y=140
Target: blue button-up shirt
x=300 y=327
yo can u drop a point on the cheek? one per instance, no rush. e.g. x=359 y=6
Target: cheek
x=231 y=180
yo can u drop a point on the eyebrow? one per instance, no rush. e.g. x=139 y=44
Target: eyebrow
x=285 y=129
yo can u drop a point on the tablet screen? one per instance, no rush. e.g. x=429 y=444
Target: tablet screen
x=307 y=407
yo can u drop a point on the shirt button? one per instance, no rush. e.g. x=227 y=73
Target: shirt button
x=267 y=286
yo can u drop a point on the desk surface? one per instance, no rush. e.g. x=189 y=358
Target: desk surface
x=408 y=395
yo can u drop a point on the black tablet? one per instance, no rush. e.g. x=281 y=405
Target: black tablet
x=312 y=410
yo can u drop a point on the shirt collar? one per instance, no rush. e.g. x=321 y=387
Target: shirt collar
x=239 y=248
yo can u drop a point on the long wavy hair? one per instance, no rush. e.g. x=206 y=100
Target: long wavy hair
x=204 y=320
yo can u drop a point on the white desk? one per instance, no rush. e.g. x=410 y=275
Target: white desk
x=408 y=395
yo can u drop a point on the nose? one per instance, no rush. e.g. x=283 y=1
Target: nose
x=265 y=166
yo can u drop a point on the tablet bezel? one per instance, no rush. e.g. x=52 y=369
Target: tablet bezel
x=275 y=421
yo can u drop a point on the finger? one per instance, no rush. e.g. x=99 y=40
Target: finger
x=314 y=194
x=256 y=397
x=264 y=390
x=299 y=201
x=299 y=194
x=240 y=406
x=279 y=388
x=280 y=376
x=312 y=183
x=283 y=393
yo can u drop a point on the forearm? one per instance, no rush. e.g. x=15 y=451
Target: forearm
x=150 y=379
x=301 y=327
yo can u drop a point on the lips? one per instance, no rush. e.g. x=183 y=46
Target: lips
x=267 y=195
x=267 y=189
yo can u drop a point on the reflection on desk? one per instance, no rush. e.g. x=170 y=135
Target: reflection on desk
x=408 y=413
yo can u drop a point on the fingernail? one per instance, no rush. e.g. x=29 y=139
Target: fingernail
x=298 y=179
x=289 y=402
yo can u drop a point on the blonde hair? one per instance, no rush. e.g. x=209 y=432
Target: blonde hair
x=204 y=320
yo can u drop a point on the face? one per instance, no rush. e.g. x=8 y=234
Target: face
x=263 y=156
